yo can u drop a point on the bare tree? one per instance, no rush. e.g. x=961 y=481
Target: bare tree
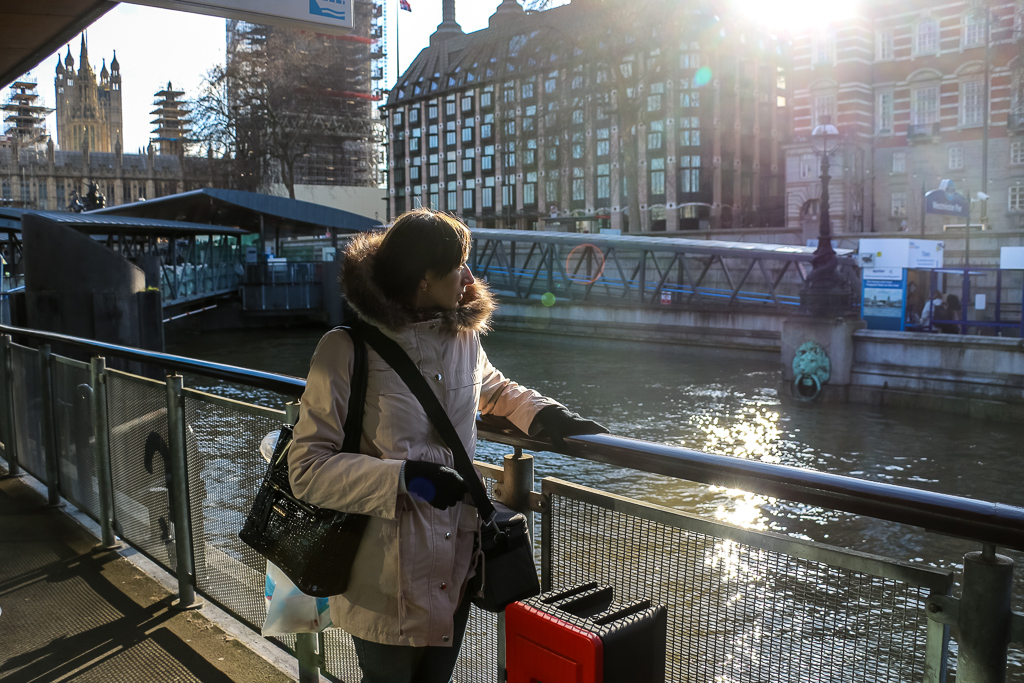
x=273 y=104
x=622 y=49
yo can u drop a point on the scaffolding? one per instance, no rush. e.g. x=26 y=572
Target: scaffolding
x=25 y=118
x=323 y=90
x=172 y=122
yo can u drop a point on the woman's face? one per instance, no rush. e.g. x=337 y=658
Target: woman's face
x=444 y=291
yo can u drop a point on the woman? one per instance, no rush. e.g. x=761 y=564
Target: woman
x=406 y=604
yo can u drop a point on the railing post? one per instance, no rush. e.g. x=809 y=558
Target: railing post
x=306 y=644
x=179 y=495
x=984 y=618
x=7 y=407
x=101 y=428
x=49 y=426
x=514 y=491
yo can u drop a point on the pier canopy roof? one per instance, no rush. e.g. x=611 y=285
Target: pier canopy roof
x=248 y=211
x=32 y=31
x=93 y=224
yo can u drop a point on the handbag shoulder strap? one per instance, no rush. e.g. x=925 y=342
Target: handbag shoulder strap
x=400 y=362
x=357 y=395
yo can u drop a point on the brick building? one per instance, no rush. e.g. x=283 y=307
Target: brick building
x=527 y=123
x=906 y=86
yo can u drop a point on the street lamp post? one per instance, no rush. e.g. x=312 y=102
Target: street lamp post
x=825 y=293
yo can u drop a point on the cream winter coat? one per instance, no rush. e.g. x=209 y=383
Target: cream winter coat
x=414 y=561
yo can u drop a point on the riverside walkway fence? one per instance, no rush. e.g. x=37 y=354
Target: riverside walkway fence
x=172 y=471
x=658 y=272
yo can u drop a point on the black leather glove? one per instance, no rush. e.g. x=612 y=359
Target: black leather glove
x=557 y=422
x=438 y=485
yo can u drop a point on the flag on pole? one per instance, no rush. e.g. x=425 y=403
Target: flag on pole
x=404 y=4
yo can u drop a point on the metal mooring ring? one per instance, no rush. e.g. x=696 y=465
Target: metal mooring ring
x=806 y=387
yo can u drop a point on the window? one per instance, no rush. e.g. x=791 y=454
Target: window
x=657 y=185
x=487 y=198
x=577 y=116
x=689 y=174
x=883 y=45
x=579 y=185
x=824 y=105
x=414 y=144
x=452 y=197
x=974 y=28
x=551 y=84
x=450 y=168
x=654 y=103
x=577 y=145
x=414 y=174
x=530 y=189
x=971 y=103
x=604 y=185
x=808 y=167
x=467 y=103
x=1016 y=198
x=433 y=169
x=926 y=37
x=414 y=115
x=397 y=118
x=654 y=130
x=510 y=128
x=449 y=107
x=449 y=138
x=467 y=135
x=956 y=158
x=899 y=162
x=485 y=99
x=823 y=48
x=1017 y=152
x=467 y=200
x=924 y=105
x=551 y=187
x=527 y=90
x=432 y=111
x=508 y=192
x=467 y=167
x=689 y=133
x=884 y=113
x=898 y=205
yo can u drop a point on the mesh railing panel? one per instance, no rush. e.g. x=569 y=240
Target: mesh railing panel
x=28 y=414
x=225 y=470
x=140 y=465
x=76 y=457
x=738 y=612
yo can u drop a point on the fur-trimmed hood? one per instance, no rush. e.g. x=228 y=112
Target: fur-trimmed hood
x=367 y=299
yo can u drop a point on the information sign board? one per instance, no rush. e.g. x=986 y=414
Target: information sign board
x=322 y=16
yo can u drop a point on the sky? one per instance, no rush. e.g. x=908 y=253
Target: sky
x=155 y=46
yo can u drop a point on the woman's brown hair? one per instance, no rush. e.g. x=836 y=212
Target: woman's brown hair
x=418 y=242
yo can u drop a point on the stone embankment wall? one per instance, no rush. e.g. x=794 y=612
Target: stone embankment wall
x=979 y=376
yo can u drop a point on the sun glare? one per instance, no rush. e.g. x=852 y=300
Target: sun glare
x=795 y=15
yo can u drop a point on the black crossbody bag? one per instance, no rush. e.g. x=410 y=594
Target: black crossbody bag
x=313 y=546
x=509 y=573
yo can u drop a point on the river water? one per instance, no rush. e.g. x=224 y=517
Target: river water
x=722 y=402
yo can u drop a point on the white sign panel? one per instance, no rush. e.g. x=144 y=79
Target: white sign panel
x=322 y=16
x=899 y=253
x=1011 y=258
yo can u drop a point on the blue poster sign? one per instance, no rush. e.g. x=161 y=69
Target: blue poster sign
x=947 y=201
x=883 y=303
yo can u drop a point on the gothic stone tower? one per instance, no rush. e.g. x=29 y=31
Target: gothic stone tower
x=88 y=113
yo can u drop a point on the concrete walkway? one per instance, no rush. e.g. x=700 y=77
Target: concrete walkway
x=71 y=611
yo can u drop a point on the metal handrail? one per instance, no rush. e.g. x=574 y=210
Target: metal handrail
x=986 y=522
x=282 y=384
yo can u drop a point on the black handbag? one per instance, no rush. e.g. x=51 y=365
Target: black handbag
x=508 y=572
x=313 y=546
